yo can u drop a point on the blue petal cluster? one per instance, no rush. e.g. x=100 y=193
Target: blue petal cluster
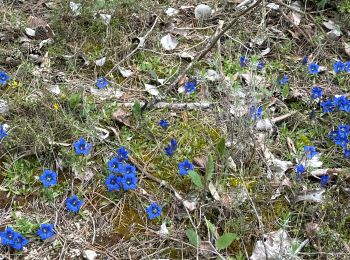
x=316 y=92
x=154 y=210
x=101 y=83
x=171 y=148
x=46 y=231
x=324 y=180
x=310 y=151
x=243 y=61
x=184 y=167
x=163 y=123
x=284 y=80
x=256 y=112
x=3 y=132
x=313 y=68
x=341 y=102
x=190 y=86
x=74 y=204
x=11 y=238
x=4 y=77
x=340 y=137
x=82 y=147
x=48 y=178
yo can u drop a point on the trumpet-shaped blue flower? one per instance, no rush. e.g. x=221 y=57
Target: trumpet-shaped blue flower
x=122 y=154
x=7 y=236
x=310 y=151
x=260 y=65
x=102 y=83
x=19 y=242
x=115 y=166
x=327 y=106
x=45 y=231
x=184 y=167
x=3 y=132
x=243 y=61
x=154 y=210
x=304 y=60
x=164 y=124
x=129 y=181
x=4 y=77
x=190 y=86
x=284 y=80
x=342 y=103
x=347 y=67
x=316 y=92
x=171 y=148
x=82 y=147
x=48 y=178
x=74 y=204
x=129 y=169
x=338 y=67
x=313 y=68
x=114 y=182
x=324 y=180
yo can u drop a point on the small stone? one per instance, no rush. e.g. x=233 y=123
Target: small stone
x=89 y=254
x=4 y=107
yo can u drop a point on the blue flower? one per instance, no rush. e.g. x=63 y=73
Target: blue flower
x=19 y=241
x=342 y=103
x=4 y=78
x=243 y=61
x=102 y=83
x=48 y=178
x=305 y=60
x=129 y=181
x=164 y=124
x=82 y=147
x=313 y=68
x=122 y=154
x=129 y=169
x=310 y=151
x=324 y=180
x=300 y=168
x=347 y=67
x=344 y=130
x=328 y=106
x=7 y=236
x=316 y=92
x=347 y=153
x=74 y=204
x=184 y=167
x=115 y=166
x=284 y=80
x=256 y=112
x=190 y=86
x=338 y=67
x=171 y=148
x=3 y=133
x=45 y=231
x=154 y=211
x=113 y=182
x=341 y=141
x=260 y=65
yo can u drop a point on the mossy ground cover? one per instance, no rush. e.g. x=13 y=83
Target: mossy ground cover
x=230 y=201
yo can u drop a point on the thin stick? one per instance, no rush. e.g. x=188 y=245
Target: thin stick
x=202 y=54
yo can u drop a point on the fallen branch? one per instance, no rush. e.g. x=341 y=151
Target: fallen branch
x=202 y=54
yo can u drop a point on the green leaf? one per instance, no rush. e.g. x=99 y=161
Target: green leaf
x=225 y=240
x=209 y=171
x=136 y=110
x=221 y=147
x=74 y=100
x=211 y=227
x=285 y=91
x=196 y=179
x=193 y=237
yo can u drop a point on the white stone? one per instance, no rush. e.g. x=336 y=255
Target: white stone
x=89 y=254
x=202 y=12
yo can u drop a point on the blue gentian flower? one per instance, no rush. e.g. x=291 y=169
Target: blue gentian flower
x=300 y=168
x=48 y=178
x=342 y=103
x=3 y=133
x=316 y=92
x=45 y=231
x=19 y=241
x=164 y=124
x=102 y=83
x=190 y=86
x=184 y=167
x=7 y=236
x=328 y=106
x=344 y=130
x=305 y=60
x=347 y=153
x=284 y=80
x=154 y=211
x=256 y=113
x=333 y=134
x=313 y=68
x=115 y=166
x=171 y=148
x=260 y=65
x=82 y=147
x=347 y=67
x=338 y=67
x=243 y=61
x=129 y=169
x=74 y=204
x=324 y=180
x=114 y=182
x=129 y=181
x=341 y=141
x=310 y=151
x=4 y=78
x=122 y=154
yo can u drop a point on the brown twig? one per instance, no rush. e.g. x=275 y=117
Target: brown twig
x=202 y=54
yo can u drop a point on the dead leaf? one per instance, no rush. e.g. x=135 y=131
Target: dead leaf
x=275 y=245
x=311 y=195
x=121 y=116
x=296 y=16
x=125 y=72
x=106 y=18
x=4 y=107
x=171 y=12
x=169 y=42
x=151 y=89
x=75 y=8
x=213 y=191
x=212 y=75
x=100 y=62
x=347 y=48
